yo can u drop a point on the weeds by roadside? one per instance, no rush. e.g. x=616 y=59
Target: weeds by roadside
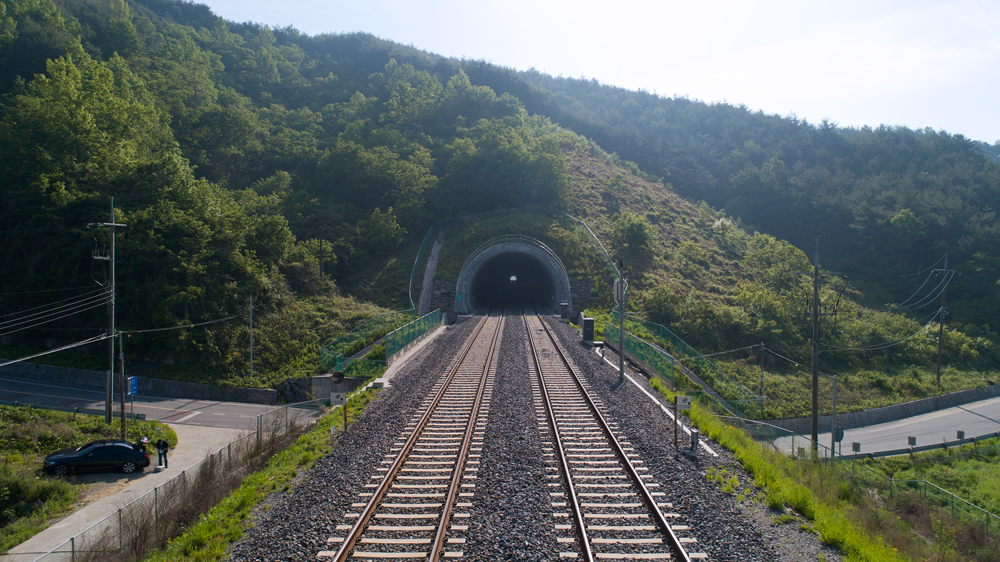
x=30 y=500
x=858 y=521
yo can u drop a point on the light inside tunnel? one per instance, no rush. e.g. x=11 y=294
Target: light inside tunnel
x=513 y=278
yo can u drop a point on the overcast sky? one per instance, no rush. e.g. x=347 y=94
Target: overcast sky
x=918 y=63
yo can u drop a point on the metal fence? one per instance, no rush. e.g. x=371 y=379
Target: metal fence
x=716 y=384
x=400 y=339
x=862 y=477
x=120 y=532
x=337 y=355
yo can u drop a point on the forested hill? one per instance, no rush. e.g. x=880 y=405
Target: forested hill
x=233 y=151
x=888 y=199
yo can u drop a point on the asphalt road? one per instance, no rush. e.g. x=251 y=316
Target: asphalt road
x=229 y=415
x=975 y=419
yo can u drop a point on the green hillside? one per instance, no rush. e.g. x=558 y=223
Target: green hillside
x=235 y=152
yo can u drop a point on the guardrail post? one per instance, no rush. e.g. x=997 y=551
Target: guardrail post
x=120 y=531
x=156 y=510
x=72 y=549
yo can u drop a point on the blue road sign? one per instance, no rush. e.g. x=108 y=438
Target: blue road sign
x=133 y=386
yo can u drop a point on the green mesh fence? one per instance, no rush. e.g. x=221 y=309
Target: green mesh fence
x=397 y=341
x=730 y=393
x=340 y=353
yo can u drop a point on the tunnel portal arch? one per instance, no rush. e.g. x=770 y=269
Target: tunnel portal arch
x=538 y=270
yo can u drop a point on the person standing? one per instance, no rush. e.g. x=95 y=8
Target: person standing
x=161 y=448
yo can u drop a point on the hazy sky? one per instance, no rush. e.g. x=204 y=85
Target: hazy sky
x=919 y=63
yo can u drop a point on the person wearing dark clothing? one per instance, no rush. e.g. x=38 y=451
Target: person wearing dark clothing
x=162 y=447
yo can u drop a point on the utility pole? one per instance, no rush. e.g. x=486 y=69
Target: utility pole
x=251 y=336
x=110 y=257
x=762 y=374
x=816 y=313
x=121 y=384
x=941 y=321
x=620 y=291
x=321 y=277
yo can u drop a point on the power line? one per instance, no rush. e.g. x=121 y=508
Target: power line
x=55 y=310
x=48 y=291
x=46 y=321
x=77 y=297
x=872 y=271
x=63 y=348
x=183 y=327
x=887 y=345
x=940 y=288
x=972 y=313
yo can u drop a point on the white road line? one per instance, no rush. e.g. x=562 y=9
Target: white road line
x=186 y=418
x=218 y=413
x=662 y=407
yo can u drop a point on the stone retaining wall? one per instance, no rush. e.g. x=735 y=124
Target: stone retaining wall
x=891 y=413
x=147 y=386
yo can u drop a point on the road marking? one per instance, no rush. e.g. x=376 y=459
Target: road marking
x=187 y=417
x=218 y=413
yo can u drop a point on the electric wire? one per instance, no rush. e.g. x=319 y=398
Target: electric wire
x=42 y=321
x=63 y=348
x=972 y=313
x=921 y=288
x=886 y=345
x=103 y=298
x=51 y=304
x=930 y=298
x=47 y=291
x=921 y=272
x=184 y=327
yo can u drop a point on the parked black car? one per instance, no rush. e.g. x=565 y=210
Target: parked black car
x=98 y=456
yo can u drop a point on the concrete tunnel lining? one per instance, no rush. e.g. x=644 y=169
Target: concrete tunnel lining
x=536 y=265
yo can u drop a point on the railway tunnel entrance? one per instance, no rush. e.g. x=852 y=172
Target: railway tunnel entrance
x=511 y=270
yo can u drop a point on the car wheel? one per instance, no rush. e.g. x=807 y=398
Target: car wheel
x=61 y=470
x=128 y=467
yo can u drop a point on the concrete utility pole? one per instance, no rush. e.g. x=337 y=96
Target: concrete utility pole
x=941 y=312
x=251 y=336
x=110 y=257
x=816 y=313
x=621 y=320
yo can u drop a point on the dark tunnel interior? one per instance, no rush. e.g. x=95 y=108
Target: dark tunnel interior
x=532 y=284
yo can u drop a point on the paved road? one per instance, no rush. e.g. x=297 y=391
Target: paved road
x=229 y=415
x=975 y=419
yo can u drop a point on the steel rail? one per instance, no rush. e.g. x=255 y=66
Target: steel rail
x=675 y=542
x=347 y=547
x=588 y=553
x=456 y=479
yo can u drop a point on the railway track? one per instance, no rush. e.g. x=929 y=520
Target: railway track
x=429 y=476
x=604 y=505
x=418 y=501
